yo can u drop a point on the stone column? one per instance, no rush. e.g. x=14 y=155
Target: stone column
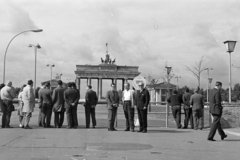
x=89 y=81
x=157 y=94
x=115 y=81
x=123 y=82
x=78 y=83
x=100 y=88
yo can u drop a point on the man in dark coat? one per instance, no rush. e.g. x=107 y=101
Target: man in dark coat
x=142 y=101
x=187 y=110
x=45 y=99
x=75 y=87
x=71 y=101
x=112 y=98
x=58 y=105
x=40 y=107
x=91 y=100
x=175 y=102
x=216 y=111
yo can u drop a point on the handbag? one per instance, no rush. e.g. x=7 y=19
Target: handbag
x=136 y=122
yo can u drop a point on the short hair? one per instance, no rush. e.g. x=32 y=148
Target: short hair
x=187 y=89
x=218 y=83
x=128 y=84
x=74 y=84
x=1 y=86
x=23 y=87
x=196 y=89
x=29 y=82
x=69 y=84
x=47 y=84
x=175 y=92
x=59 y=82
x=113 y=84
x=89 y=86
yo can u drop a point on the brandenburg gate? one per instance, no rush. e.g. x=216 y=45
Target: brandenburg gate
x=106 y=70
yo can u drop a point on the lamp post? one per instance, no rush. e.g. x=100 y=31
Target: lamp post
x=177 y=77
x=51 y=66
x=35 y=71
x=169 y=69
x=208 y=69
x=230 y=45
x=4 y=63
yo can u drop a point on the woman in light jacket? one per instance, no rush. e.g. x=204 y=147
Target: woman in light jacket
x=20 y=106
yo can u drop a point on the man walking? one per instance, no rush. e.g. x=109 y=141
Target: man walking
x=142 y=102
x=7 y=96
x=187 y=109
x=128 y=107
x=216 y=111
x=112 y=98
x=91 y=100
x=28 y=99
x=58 y=105
x=45 y=98
x=175 y=102
x=71 y=102
x=197 y=103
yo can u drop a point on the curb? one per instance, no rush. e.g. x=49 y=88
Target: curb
x=232 y=133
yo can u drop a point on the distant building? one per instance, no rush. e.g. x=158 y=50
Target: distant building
x=158 y=92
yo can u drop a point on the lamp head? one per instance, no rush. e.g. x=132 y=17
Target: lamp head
x=230 y=45
x=37 y=30
x=168 y=69
x=38 y=46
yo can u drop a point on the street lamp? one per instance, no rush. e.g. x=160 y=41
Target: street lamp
x=51 y=66
x=35 y=71
x=230 y=45
x=177 y=77
x=169 y=69
x=208 y=69
x=4 y=63
x=59 y=75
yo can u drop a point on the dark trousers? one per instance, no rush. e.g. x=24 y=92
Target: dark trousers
x=40 y=117
x=89 y=111
x=129 y=114
x=71 y=116
x=58 y=119
x=176 y=111
x=197 y=117
x=46 y=114
x=111 y=117
x=188 y=118
x=216 y=125
x=142 y=116
x=7 y=112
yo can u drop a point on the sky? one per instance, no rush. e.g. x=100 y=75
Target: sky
x=144 y=33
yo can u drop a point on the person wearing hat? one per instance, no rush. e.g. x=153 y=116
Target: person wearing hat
x=197 y=105
x=216 y=111
x=28 y=99
x=91 y=100
x=142 y=102
x=112 y=98
x=7 y=96
x=45 y=100
x=71 y=97
x=58 y=105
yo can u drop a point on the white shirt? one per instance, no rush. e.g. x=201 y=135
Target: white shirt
x=127 y=95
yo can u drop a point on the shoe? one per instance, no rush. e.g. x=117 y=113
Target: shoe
x=132 y=130
x=225 y=136
x=20 y=125
x=127 y=129
x=110 y=129
x=144 y=131
x=86 y=127
x=114 y=129
x=93 y=127
x=211 y=139
x=27 y=127
x=75 y=127
x=140 y=130
x=184 y=128
x=200 y=128
x=195 y=128
x=50 y=127
x=69 y=127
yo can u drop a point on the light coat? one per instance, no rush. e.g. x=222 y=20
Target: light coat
x=28 y=99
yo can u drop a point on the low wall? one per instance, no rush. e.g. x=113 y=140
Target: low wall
x=231 y=116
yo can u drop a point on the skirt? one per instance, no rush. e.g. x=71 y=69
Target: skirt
x=19 y=109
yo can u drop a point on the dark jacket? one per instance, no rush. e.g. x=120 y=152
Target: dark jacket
x=186 y=100
x=175 y=100
x=112 y=99
x=215 y=102
x=71 y=97
x=91 y=98
x=45 y=96
x=197 y=101
x=143 y=99
x=58 y=99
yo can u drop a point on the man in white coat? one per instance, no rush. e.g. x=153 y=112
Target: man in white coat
x=29 y=103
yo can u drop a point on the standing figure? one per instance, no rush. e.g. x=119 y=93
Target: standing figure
x=187 y=109
x=142 y=101
x=45 y=99
x=197 y=103
x=7 y=96
x=20 y=106
x=2 y=105
x=75 y=87
x=91 y=100
x=40 y=106
x=129 y=101
x=216 y=111
x=112 y=98
x=58 y=105
x=71 y=102
x=175 y=102
x=29 y=103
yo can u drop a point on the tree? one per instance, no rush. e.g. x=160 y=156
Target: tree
x=197 y=69
x=152 y=81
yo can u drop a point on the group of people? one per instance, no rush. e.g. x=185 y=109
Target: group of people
x=193 y=105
